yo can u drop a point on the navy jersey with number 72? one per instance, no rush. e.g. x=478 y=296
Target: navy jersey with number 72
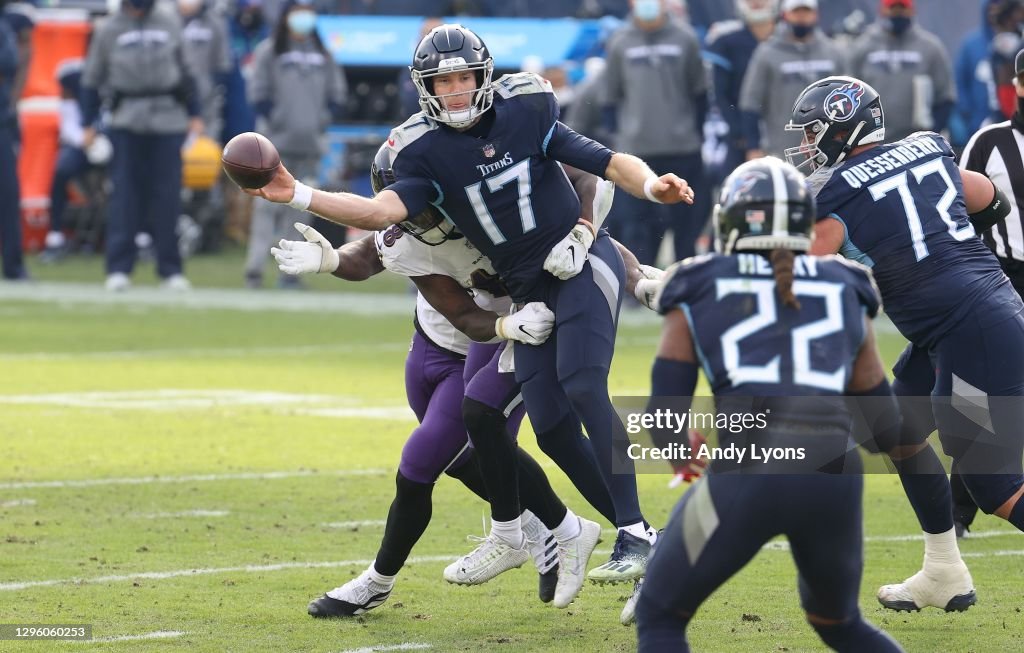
x=505 y=191
x=903 y=210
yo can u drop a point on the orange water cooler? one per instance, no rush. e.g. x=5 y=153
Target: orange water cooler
x=59 y=34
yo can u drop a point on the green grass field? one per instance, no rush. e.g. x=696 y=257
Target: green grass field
x=185 y=476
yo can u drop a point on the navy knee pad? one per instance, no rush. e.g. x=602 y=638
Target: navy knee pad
x=990 y=491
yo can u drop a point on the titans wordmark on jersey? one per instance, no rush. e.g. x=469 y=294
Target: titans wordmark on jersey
x=502 y=189
x=902 y=206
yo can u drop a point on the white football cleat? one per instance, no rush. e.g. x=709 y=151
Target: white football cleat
x=573 y=555
x=177 y=283
x=945 y=586
x=118 y=282
x=628 y=615
x=486 y=561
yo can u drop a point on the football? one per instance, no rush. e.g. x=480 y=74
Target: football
x=250 y=160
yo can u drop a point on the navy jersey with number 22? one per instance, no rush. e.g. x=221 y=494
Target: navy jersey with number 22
x=748 y=342
x=505 y=191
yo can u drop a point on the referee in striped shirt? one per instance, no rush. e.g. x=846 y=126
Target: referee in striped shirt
x=997 y=151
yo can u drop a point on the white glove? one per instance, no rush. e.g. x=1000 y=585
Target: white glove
x=315 y=255
x=530 y=325
x=603 y=198
x=648 y=286
x=566 y=259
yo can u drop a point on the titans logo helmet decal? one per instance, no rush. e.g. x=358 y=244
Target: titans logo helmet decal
x=842 y=103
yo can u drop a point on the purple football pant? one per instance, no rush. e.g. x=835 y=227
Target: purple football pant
x=435 y=383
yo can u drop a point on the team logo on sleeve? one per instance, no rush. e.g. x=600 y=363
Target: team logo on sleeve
x=842 y=103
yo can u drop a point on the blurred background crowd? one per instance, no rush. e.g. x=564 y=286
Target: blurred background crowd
x=113 y=112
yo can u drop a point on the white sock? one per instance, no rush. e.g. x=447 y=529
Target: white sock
x=533 y=528
x=636 y=530
x=941 y=548
x=569 y=528
x=379 y=578
x=509 y=532
x=55 y=239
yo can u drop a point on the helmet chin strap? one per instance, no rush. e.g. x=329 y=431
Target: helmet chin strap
x=850 y=142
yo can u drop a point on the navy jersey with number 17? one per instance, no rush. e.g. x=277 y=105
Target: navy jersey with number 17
x=504 y=190
x=902 y=206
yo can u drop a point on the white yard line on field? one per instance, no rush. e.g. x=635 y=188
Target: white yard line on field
x=183 y=513
x=405 y=646
x=175 y=399
x=158 y=634
x=780 y=545
x=192 y=478
x=206 y=352
x=984 y=554
x=352 y=525
x=15 y=503
x=249 y=569
x=73 y=294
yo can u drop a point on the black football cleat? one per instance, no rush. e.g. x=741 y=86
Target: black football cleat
x=352 y=599
x=547 y=582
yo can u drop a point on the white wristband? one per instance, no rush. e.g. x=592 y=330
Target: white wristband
x=302 y=196
x=647 y=190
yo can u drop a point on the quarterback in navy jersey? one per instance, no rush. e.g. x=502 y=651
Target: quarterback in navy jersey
x=905 y=210
x=486 y=155
x=772 y=325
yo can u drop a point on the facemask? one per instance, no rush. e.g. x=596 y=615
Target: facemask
x=801 y=31
x=301 y=21
x=141 y=5
x=897 y=24
x=647 y=10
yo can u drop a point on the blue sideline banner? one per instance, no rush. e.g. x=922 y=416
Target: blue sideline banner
x=390 y=41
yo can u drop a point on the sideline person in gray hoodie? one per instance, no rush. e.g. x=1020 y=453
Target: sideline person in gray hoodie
x=796 y=55
x=656 y=100
x=136 y=66
x=297 y=89
x=909 y=67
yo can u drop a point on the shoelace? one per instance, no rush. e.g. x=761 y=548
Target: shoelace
x=478 y=553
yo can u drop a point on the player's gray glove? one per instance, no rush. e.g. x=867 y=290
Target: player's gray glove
x=530 y=325
x=566 y=258
x=647 y=287
x=315 y=254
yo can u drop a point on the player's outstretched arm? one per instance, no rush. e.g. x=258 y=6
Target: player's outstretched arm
x=641 y=280
x=636 y=178
x=531 y=325
x=358 y=260
x=380 y=212
x=355 y=261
